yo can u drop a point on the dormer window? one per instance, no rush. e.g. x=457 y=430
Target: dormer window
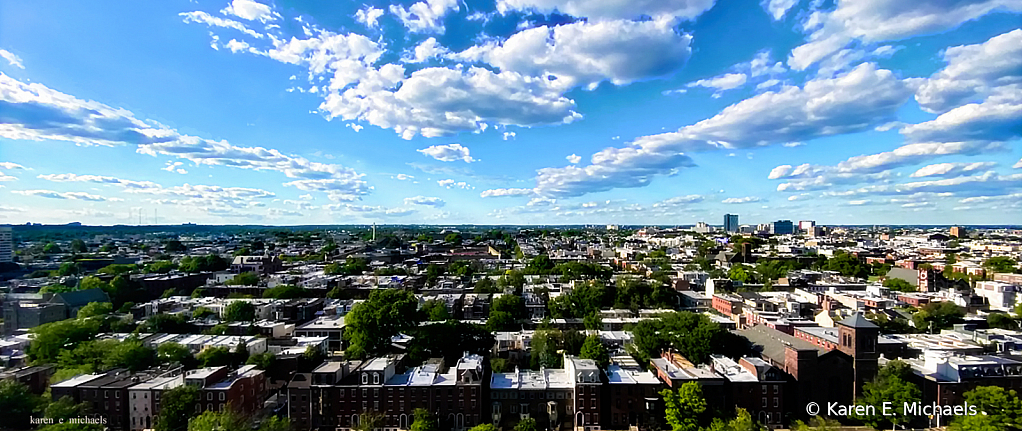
x=376 y=378
x=365 y=378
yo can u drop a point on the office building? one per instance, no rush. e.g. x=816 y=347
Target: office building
x=806 y=225
x=782 y=227
x=730 y=222
x=6 y=245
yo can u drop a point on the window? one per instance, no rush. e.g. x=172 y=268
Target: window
x=777 y=389
x=221 y=408
x=764 y=402
x=365 y=393
x=342 y=392
x=376 y=393
x=106 y=394
x=209 y=395
x=223 y=396
x=514 y=408
x=376 y=378
x=763 y=389
x=777 y=402
x=594 y=403
x=133 y=396
x=209 y=407
x=365 y=378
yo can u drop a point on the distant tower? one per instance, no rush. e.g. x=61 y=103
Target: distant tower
x=374 y=232
x=730 y=222
x=857 y=337
x=6 y=244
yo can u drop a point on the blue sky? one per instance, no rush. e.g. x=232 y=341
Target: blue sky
x=511 y=112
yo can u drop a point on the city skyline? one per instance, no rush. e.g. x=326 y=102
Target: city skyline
x=509 y=112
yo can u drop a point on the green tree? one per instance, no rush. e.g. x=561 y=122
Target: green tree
x=739 y=272
x=95 y=309
x=1001 y=320
x=161 y=267
x=434 y=310
x=262 y=361
x=244 y=279
x=52 y=338
x=899 y=285
x=424 y=421
x=275 y=423
x=817 y=423
x=484 y=427
x=239 y=311
x=594 y=349
x=1000 y=264
x=69 y=268
x=227 y=420
x=544 y=349
x=1000 y=409
x=847 y=265
x=174 y=246
x=215 y=357
x=453 y=238
x=167 y=323
x=527 y=424
x=118 y=269
x=65 y=408
x=938 y=315
x=695 y=336
x=890 y=385
x=500 y=365
x=176 y=406
x=131 y=354
x=173 y=352
x=244 y=251
x=486 y=285
x=17 y=404
x=72 y=427
x=202 y=313
x=286 y=291
x=741 y=422
x=685 y=407
x=371 y=324
x=78 y=246
x=573 y=342
x=51 y=248
x=593 y=321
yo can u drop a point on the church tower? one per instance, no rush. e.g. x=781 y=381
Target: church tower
x=857 y=337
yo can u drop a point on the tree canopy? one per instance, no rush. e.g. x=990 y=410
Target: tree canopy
x=176 y=406
x=371 y=324
x=693 y=335
x=938 y=315
x=684 y=408
x=239 y=311
x=890 y=385
x=1000 y=409
x=244 y=279
x=595 y=350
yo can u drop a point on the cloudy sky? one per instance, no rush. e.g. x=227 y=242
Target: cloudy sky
x=511 y=111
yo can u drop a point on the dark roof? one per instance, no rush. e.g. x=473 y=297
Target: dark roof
x=857 y=320
x=771 y=342
x=81 y=298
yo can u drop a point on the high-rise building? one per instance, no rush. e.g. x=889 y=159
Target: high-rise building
x=730 y=222
x=6 y=245
x=806 y=225
x=782 y=227
x=956 y=232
